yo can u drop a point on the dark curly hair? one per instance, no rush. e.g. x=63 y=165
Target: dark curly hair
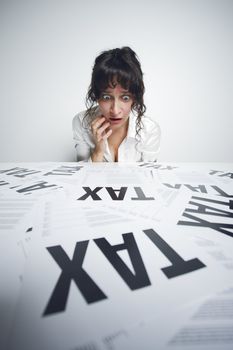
x=117 y=66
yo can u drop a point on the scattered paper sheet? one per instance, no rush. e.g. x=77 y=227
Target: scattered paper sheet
x=136 y=225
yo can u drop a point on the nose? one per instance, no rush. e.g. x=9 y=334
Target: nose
x=115 y=107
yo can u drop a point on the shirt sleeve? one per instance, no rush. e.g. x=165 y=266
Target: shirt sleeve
x=82 y=146
x=151 y=145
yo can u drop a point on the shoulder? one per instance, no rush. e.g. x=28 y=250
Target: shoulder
x=150 y=127
x=78 y=119
x=83 y=119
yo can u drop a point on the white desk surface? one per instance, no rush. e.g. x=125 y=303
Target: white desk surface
x=116 y=256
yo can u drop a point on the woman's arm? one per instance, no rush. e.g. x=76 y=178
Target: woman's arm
x=100 y=132
x=90 y=142
x=83 y=145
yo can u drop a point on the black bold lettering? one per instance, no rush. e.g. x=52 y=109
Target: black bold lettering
x=230 y=175
x=25 y=173
x=221 y=192
x=179 y=265
x=91 y=193
x=71 y=270
x=208 y=210
x=38 y=186
x=140 y=195
x=137 y=280
x=158 y=166
x=214 y=172
x=3 y=183
x=64 y=170
x=113 y=195
x=176 y=186
x=220 y=227
x=7 y=170
x=20 y=172
x=151 y=165
x=200 y=188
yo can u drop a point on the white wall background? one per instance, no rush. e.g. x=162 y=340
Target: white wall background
x=47 y=50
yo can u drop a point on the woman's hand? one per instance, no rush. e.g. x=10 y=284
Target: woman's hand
x=99 y=128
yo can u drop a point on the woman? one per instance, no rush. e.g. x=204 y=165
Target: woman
x=114 y=127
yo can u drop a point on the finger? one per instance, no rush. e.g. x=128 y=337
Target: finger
x=100 y=130
x=106 y=136
x=97 y=122
x=103 y=136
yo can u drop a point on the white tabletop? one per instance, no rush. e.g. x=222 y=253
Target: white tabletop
x=116 y=256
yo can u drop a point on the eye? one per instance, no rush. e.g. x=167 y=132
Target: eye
x=126 y=98
x=105 y=97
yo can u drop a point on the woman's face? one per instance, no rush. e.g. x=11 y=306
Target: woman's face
x=115 y=105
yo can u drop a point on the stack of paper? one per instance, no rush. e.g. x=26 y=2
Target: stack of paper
x=116 y=256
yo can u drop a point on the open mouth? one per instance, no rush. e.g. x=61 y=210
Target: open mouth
x=115 y=120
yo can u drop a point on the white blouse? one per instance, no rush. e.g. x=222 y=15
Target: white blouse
x=130 y=150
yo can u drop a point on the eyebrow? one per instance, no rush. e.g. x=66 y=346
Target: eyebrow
x=122 y=92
